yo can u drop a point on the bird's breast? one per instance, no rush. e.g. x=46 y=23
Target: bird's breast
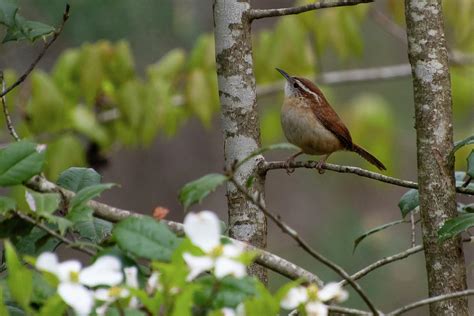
x=302 y=128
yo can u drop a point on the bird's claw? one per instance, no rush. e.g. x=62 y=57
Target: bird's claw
x=319 y=167
x=289 y=170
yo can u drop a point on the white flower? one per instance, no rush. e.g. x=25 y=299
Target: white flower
x=77 y=296
x=203 y=229
x=104 y=271
x=332 y=291
x=239 y=311
x=295 y=296
x=153 y=283
x=131 y=280
x=316 y=308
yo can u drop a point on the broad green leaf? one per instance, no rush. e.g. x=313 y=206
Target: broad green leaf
x=64 y=152
x=169 y=65
x=88 y=193
x=8 y=10
x=231 y=291
x=375 y=230
x=42 y=203
x=199 y=96
x=193 y=192
x=284 y=146
x=20 y=279
x=120 y=66
x=455 y=226
x=408 y=202
x=23 y=29
x=76 y=179
x=85 y=122
x=183 y=303
x=146 y=238
x=88 y=226
x=62 y=223
x=35 y=242
x=19 y=162
x=6 y=204
x=42 y=290
x=53 y=306
x=264 y=303
x=91 y=71
x=3 y=307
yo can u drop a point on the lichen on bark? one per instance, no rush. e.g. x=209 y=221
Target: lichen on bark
x=240 y=124
x=433 y=115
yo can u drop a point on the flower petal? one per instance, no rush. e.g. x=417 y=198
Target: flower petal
x=197 y=265
x=294 y=297
x=225 y=266
x=226 y=311
x=153 y=283
x=316 y=308
x=203 y=229
x=77 y=296
x=131 y=278
x=232 y=251
x=332 y=291
x=68 y=270
x=48 y=261
x=104 y=271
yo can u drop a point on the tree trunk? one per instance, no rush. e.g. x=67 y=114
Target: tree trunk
x=433 y=114
x=240 y=124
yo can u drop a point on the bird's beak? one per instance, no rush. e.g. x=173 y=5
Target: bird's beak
x=284 y=74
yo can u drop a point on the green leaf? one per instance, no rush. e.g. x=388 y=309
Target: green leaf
x=42 y=290
x=262 y=304
x=35 y=242
x=88 y=193
x=20 y=279
x=455 y=226
x=53 y=306
x=6 y=204
x=3 y=307
x=89 y=227
x=42 y=203
x=146 y=238
x=375 y=230
x=184 y=301
x=19 y=162
x=75 y=179
x=195 y=191
x=285 y=146
x=169 y=65
x=408 y=202
x=8 y=10
x=230 y=291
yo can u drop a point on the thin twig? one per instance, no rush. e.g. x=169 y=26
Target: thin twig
x=53 y=233
x=267 y=13
x=389 y=25
x=413 y=229
x=271 y=165
x=303 y=244
x=384 y=261
x=113 y=214
x=41 y=54
x=8 y=119
x=431 y=300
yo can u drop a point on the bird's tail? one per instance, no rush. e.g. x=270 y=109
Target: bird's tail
x=367 y=156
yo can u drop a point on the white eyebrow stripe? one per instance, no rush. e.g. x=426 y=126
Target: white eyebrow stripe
x=302 y=86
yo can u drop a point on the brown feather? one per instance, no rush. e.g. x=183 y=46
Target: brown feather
x=326 y=114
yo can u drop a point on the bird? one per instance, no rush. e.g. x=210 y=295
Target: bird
x=309 y=122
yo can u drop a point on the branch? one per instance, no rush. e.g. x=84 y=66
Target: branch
x=53 y=233
x=8 y=119
x=271 y=165
x=384 y=261
x=268 y=13
x=431 y=300
x=41 y=54
x=113 y=214
x=303 y=244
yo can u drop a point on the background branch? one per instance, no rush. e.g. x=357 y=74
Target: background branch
x=430 y=300
x=40 y=55
x=8 y=120
x=267 y=13
x=271 y=165
x=113 y=214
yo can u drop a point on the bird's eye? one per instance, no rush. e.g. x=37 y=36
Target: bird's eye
x=295 y=85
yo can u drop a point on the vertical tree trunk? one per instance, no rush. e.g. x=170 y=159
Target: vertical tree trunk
x=433 y=113
x=240 y=122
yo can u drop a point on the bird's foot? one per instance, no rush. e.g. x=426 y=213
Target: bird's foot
x=289 y=170
x=319 y=167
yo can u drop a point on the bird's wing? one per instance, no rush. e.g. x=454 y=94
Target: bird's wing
x=328 y=117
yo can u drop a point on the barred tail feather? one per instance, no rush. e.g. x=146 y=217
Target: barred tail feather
x=367 y=156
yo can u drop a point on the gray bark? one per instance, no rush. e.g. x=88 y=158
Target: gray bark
x=433 y=114
x=240 y=124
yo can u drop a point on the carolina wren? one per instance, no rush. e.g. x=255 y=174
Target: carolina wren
x=310 y=123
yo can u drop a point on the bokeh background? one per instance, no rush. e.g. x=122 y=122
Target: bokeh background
x=153 y=156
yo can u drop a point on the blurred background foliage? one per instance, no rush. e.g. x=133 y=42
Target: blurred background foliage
x=130 y=88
